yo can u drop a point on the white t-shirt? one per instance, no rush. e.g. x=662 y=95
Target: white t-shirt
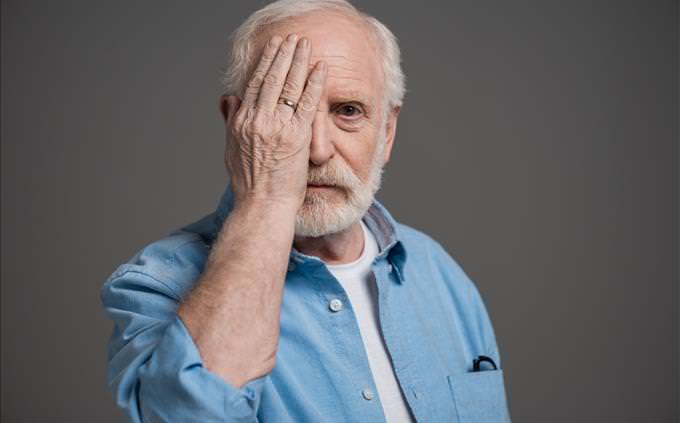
x=358 y=281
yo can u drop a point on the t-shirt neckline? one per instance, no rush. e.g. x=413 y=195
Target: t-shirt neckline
x=362 y=256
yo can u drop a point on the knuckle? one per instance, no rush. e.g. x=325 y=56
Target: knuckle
x=307 y=102
x=253 y=127
x=271 y=79
x=258 y=124
x=256 y=80
x=234 y=130
x=285 y=50
x=291 y=87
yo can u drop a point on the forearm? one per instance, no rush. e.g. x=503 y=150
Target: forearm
x=233 y=313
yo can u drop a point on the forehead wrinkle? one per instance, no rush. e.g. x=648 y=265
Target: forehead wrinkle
x=345 y=69
x=338 y=56
x=342 y=78
x=354 y=78
x=335 y=66
x=339 y=61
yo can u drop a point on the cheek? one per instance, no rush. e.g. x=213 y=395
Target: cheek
x=358 y=155
x=356 y=148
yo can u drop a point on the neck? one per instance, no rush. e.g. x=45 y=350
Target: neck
x=338 y=248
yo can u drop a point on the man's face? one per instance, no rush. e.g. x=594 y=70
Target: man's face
x=350 y=139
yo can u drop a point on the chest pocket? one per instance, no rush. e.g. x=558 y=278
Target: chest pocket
x=479 y=397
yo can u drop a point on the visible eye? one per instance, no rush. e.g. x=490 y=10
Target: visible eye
x=349 y=110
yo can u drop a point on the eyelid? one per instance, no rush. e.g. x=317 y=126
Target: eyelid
x=351 y=103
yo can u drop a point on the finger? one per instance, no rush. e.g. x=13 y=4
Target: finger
x=295 y=81
x=312 y=93
x=257 y=78
x=273 y=81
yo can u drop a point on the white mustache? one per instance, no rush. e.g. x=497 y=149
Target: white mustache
x=333 y=174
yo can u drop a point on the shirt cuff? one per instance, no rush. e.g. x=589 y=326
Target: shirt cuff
x=176 y=368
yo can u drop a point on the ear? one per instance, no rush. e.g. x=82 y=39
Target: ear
x=390 y=131
x=228 y=105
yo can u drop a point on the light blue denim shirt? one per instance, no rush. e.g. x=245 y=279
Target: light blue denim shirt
x=431 y=315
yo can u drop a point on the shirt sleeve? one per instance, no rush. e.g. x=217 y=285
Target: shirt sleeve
x=481 y=333
x=154 y=367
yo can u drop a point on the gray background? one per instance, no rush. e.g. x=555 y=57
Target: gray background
x=538 y=143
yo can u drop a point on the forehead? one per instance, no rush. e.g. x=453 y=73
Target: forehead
x=345 y=44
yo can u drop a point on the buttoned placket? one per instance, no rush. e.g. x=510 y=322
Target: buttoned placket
x=338 y=306
x=403 y=361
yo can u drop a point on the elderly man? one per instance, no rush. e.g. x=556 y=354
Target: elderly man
x=301 y=299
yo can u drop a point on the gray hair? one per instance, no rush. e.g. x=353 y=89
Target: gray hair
x=235 y=77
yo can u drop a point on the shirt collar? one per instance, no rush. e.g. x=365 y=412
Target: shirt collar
x=381 y=223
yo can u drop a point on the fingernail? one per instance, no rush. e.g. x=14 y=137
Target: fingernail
x=304 y=42
x=292 y=38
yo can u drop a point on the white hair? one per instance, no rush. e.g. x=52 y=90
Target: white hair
x=235 y=77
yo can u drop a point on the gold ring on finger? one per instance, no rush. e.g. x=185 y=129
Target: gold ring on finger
x=288 y=102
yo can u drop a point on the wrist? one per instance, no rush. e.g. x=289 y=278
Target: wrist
x=266 y=208
x=267 y=204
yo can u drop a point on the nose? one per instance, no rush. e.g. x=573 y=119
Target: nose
x=321 y=148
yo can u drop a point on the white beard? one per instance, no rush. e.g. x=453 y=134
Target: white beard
x=320 y=214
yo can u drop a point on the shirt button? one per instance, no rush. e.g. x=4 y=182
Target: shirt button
x=291 y=266
x=335 y=305
x=389 y=267
x=367 y=394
